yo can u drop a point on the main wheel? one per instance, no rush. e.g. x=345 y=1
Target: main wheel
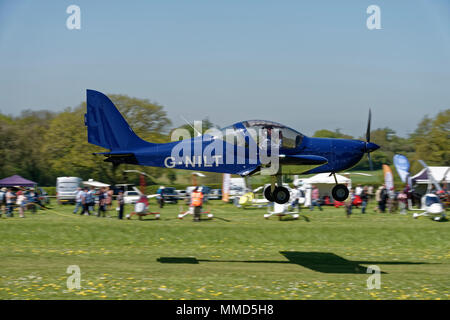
x=340 y=192
x=268 y=195
x=281 y=195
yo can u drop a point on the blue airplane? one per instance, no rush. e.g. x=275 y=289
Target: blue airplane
x=242 y=149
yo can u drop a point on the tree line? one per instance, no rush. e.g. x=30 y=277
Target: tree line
x=42 y=145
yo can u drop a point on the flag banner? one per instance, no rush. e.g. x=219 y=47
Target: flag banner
x=401 y=163
x=226 y=186
x=388 y=177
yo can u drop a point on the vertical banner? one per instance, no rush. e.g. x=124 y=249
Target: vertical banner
x=226 y=186
x=401 y=163
x=388 y=177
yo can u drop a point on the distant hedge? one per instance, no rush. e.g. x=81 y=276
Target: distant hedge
x=50 y=190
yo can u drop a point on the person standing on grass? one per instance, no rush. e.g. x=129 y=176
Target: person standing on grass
x=197 y=202
x=109 y=195
x=160 y=196
x=383 y=198
x=120 y=204
x=349 y=202
x=31 y=200
x=315 y=198
x=391 y=200
x=78 y=200
x=101 y=202
x=365 y=199
x=402 y=199
x=91 y=199
x=20 y=202
x=2 y=201
x=378 y=199
x=370 y=192
x=358 y=190
x=84 y=199
x=9 y=203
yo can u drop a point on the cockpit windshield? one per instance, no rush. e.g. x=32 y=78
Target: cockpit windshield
x=289 y=138
x=260 y=130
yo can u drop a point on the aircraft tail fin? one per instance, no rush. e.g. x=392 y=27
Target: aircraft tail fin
x=106 y=126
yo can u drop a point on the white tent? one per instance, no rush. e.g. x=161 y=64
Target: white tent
x=325 y=178
x=440 y=174
x=324 y=182
x=421 y=180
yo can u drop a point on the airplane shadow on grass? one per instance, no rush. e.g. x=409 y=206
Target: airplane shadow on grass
x=325 y=262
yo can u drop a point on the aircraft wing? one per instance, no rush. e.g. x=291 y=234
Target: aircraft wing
x=300 y=163
x=291 y=164
x=249 y=171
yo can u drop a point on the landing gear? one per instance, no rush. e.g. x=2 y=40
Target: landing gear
x=281 y=195
x=278 y=194
x=339 y=192
x=268 y=194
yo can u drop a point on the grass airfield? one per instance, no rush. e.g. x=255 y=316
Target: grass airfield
x=237 y=255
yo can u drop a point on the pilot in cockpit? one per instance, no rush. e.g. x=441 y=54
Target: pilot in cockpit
x=267 y=142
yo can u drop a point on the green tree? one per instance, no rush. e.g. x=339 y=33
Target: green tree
x=324 y=133
x=148 y=119
x=206 y=124
x=172 y=176
x=20 y=146
x=431 y=140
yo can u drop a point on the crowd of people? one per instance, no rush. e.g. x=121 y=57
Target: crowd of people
x=87 y=198
x=24 y=199
x=88 y=201
x=359 y=197
x=387 y=199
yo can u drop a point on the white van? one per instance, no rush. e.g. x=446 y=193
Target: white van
x=66 y=189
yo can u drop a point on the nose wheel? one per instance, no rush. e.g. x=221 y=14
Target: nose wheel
x=340 y=192
x=278 y=194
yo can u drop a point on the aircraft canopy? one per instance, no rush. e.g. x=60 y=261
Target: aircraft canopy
x=290 y=138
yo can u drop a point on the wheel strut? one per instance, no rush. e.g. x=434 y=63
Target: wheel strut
x=272 y=184
x=335 y=179
x=279 y=180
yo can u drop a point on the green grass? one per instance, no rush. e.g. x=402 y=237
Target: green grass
x=238 y=255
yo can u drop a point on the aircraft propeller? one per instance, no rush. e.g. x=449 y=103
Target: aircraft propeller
x=369 y=146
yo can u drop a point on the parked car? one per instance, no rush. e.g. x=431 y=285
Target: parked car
x=181 y=194
x=170 y=195
x=131 y=196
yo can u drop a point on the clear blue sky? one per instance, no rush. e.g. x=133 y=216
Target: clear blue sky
x=307 y=64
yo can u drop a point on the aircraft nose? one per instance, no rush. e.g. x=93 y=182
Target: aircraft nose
x=370 y=147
